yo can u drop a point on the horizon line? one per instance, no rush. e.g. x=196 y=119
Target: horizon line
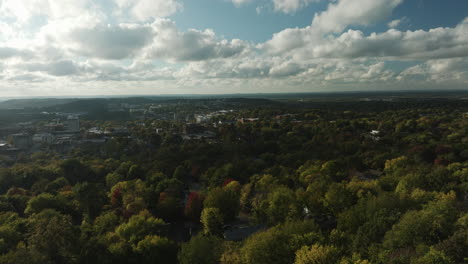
x=3 y=98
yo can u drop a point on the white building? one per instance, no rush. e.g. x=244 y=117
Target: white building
x=43 y=138
x=202 y=118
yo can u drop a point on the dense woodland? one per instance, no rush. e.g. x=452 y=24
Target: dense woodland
x=320 y=187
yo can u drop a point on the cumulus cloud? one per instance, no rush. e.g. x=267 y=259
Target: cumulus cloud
x=24 y=10
x=290 y=39
x=345 y=13
x=58 y=68
x=9 y=52
x=397 y=22
x=158 y=40
x=291 y=6
x=28 y=77
x=335 y=19
x=432 y=44
x=147 y=9
x=437 y=71
x=110 y=42
x=192 y=45
x=308 y=43
x=394 y=23
x=284 y=6
x=137 y=71
x=286 y=69
x=275 y=70
x=250 y=66
x=51 y=44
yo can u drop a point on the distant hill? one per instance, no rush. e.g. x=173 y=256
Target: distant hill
x=91 y=105
x=34 y=103
x=69 y=104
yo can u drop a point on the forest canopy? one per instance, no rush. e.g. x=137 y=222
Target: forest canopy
x=333 y=184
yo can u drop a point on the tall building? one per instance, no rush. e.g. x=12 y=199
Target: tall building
x=72 y=124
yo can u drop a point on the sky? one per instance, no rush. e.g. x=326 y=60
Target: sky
x=151 y=47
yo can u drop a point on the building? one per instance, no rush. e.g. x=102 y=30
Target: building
x=95 y=131
x=43 y=138
x=4 y=145
x=248 y=120
x=203 y=118
x=53 y=126
x=72 y=124
x=117 y=132
x=224 y=122
x=374 y=134
x=21 y=140
x=285 y=116
x=137 y=111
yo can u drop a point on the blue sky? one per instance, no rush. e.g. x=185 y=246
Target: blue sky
x=97 y=47
x=245 y=23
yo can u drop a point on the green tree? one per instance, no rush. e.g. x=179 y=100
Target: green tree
x=279 y=244
x=269 y=247
x=282 y=205
x=113 y=178
x=427 y=226
x=158 y=248
x=212 y=221
x=226 y=200
x=139 y=226
x=54 y=235
x=338 y=198
x=317 y=254
x=11 y=230
x=433 y=257
x=201 y=250
x=91 y=198
x=46 y=201
x=75 y=171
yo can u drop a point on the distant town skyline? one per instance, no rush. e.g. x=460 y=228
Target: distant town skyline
x=147 y=47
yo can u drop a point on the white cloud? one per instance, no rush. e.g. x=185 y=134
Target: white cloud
x=58 y=68
x=335 y=19
x=346 y=13
x=438 y=71
x=422 y=45
x=284 y=6
x=9 y=52
x=113 y=46
x=290 y=39
x=307 y=43
x=28 y=77
x=23 y=10
x=291 y=6
x=192 y=45
x=137 y=71
x=397 y=22
x=110 y=42
x=286 y=69
x=394 y=23
x=144 y=10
